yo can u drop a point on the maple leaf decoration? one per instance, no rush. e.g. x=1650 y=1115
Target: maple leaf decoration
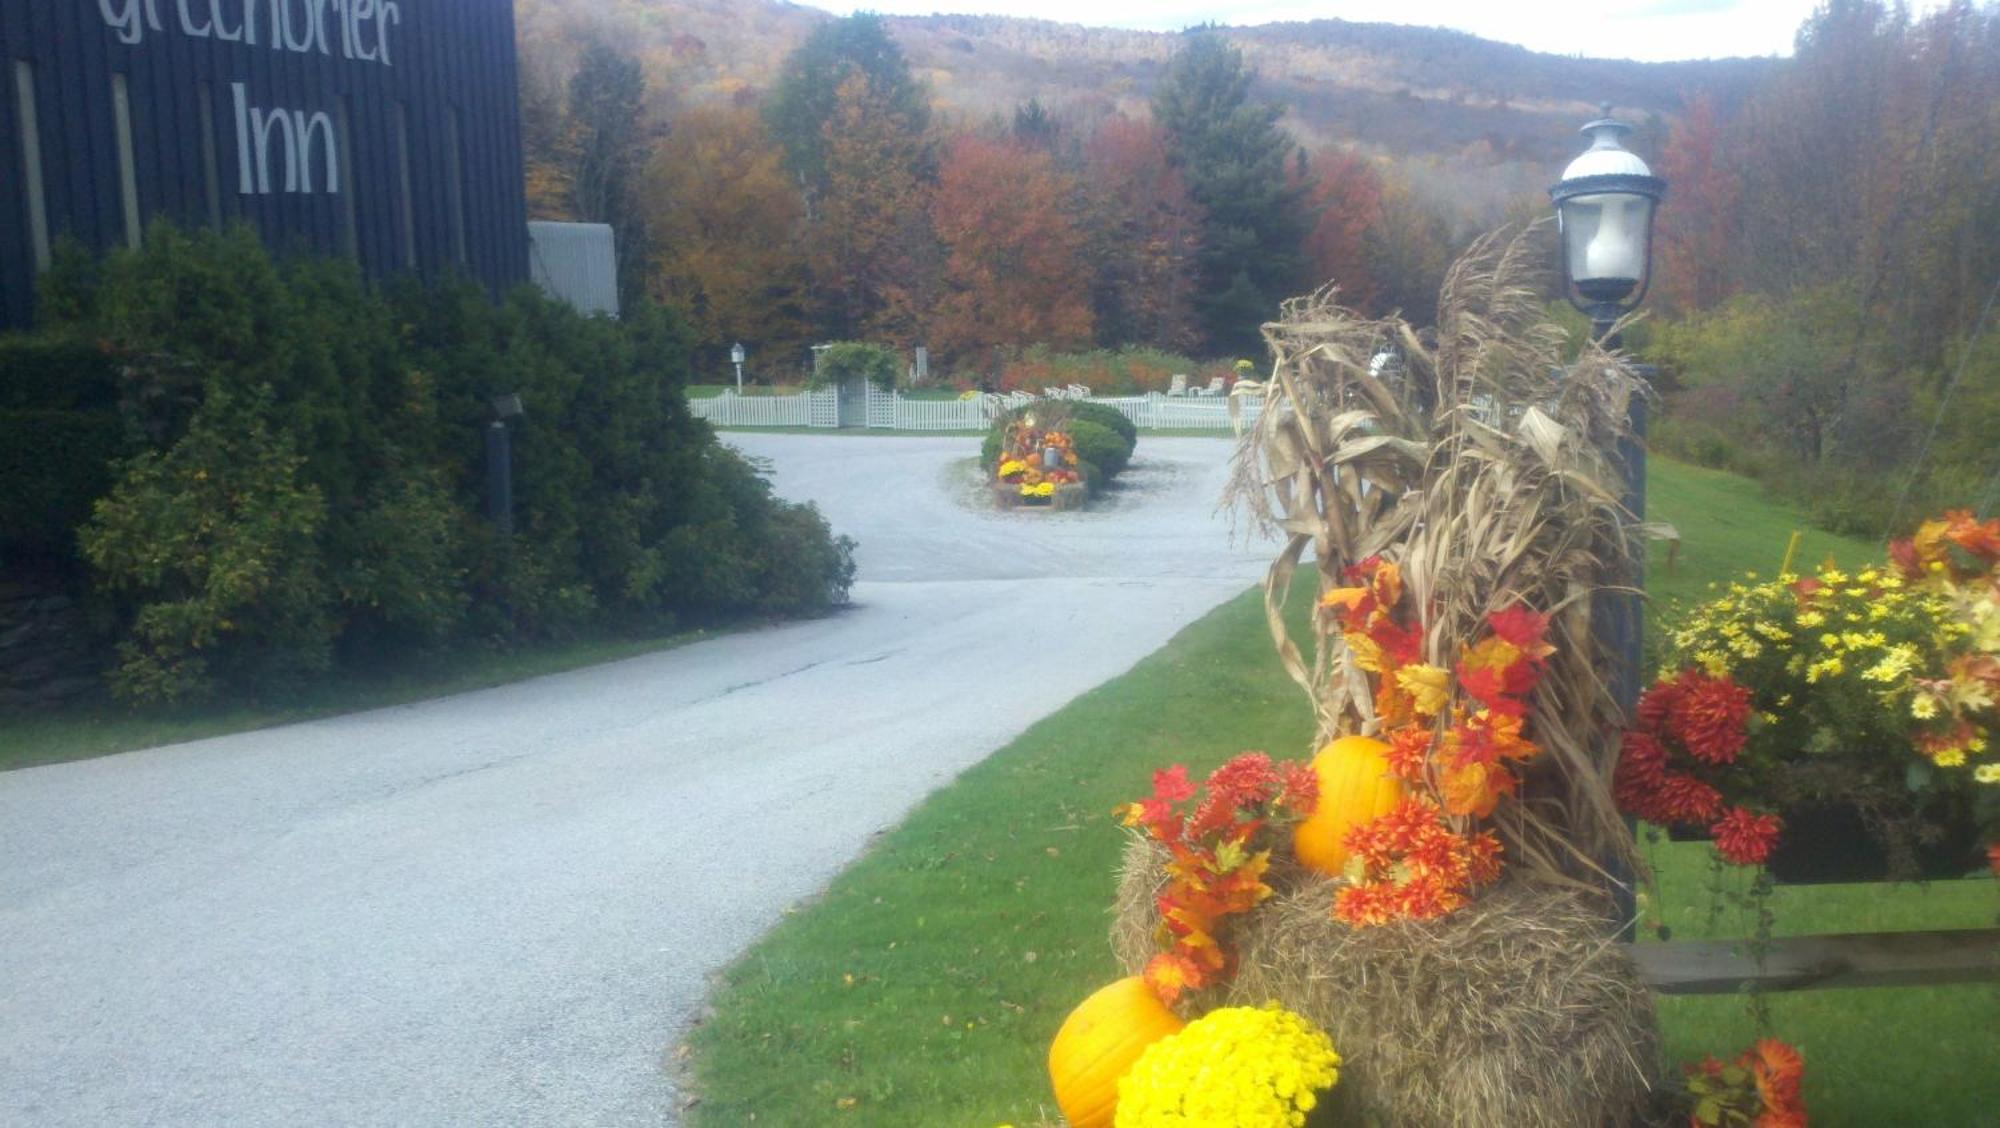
x=1455 y=733
x=1218 y=839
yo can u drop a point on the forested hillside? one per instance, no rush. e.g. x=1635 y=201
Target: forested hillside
x=989 y=187
x=1481 y=120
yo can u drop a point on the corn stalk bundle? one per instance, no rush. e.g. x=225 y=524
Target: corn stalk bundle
x=1485 y=464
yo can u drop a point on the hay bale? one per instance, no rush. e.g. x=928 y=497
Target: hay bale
x=1518 y=1009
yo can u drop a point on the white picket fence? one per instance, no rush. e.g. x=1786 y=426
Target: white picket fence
x=893 y=411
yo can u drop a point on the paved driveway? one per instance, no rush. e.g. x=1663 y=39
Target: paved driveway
x=502 y=907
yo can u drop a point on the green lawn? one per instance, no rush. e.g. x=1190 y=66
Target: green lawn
x=923 y=987
x=98 y=728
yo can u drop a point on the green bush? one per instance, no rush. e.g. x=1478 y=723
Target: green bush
x=1107 y=416
x=1101 y=434
x=55 y=465
x=60 y=432
x=309 y=479
x=842 y=359
x=214 y=543
x=1100 y=446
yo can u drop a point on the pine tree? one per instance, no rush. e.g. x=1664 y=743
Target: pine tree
x=607 y=150
x=1235 y=160
x=807 y=94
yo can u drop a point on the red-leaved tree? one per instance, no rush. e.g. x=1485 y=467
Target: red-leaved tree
x=1013 y=271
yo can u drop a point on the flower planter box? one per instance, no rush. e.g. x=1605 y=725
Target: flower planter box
x=1070 y=495
x=1828 y=843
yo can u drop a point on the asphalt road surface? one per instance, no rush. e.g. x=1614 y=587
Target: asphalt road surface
x=504 y=907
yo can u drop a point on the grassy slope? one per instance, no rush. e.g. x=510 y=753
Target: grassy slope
x=925 y=984
x=99 y=728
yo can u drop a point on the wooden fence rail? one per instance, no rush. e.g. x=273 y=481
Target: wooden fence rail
x=1801 y=963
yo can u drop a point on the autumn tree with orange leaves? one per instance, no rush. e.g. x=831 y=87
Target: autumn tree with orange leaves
x=1143 y=236
x=1699 y=234
x=1013 y=272
x=728 y=225
x=1346 y=202
x=870 y=244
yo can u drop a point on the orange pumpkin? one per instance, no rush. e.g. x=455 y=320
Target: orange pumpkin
x=1098 y=1042
x=1355 y=787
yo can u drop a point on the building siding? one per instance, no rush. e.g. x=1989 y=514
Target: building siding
x=445 y=58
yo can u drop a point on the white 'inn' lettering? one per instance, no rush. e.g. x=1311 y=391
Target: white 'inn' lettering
x=352 y=29
x=293 y=132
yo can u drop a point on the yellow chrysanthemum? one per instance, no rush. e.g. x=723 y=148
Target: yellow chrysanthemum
x=1253 y=1067
x=1987 y=773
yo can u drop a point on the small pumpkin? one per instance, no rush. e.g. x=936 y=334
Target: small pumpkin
x=1098 y=1042
x=1355 y=787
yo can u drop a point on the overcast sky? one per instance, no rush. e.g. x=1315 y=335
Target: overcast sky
x=1633 y=29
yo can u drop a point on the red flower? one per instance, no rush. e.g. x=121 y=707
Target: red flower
x=1746 y=838
x=1171 y=785
x=1685 y=799
x=1409 y=751
x=1993 y=858
x=1778 y=1069
x=1903 y=554
x=1711 y=717
x=1657 y=703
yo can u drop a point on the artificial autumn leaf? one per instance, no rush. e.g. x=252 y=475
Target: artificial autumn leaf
x=1429 y=688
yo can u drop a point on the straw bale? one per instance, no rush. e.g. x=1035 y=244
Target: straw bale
x=1518 y=1009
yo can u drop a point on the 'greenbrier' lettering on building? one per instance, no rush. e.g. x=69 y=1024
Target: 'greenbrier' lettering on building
x=356 y=29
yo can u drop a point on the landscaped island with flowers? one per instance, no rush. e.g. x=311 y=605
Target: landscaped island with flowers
x=1056 y=453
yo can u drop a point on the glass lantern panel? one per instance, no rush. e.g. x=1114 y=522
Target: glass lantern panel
x=1604 y=236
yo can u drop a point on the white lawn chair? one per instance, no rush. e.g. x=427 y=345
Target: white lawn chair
x=1179 y=385
x=1214 y=388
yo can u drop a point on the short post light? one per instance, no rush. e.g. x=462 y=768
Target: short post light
x=736 y=355
x=500 y=464
x=1605 y=203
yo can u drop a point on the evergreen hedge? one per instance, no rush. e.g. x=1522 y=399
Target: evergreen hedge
x=305 y=483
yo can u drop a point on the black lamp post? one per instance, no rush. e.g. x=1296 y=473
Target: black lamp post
x=1604 y=209
x=1605 y=204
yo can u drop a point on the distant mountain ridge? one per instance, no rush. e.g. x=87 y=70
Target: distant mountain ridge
x=1483 y=119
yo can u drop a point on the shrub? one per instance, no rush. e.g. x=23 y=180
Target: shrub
x=1112 y=455
x=1100 y=446
x=310 y=475
x=213 y=544
x=1107 y=416
x=55 y=464
x=842 y=359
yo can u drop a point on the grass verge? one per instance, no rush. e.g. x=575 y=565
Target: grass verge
x=923 y=987
x=99 y=728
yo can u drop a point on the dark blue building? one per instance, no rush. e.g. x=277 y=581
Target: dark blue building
x=385 y=130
